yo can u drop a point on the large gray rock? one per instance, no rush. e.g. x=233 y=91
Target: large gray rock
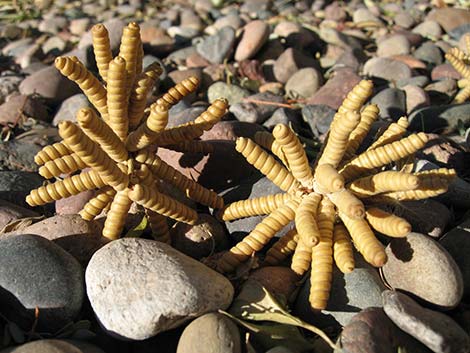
x=391 y=102
x=434 y=329
x=36 y=273
x=140 y=287
x=68 y=108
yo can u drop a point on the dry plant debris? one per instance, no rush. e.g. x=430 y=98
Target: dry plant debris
x=461 y=63
x=119 y=143
x=335 y=203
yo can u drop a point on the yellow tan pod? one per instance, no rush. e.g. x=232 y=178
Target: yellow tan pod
x=455 y=51
x=381 y=156
x=338 y=138
x=458 y=65
x=117 y=214
x=93 y=155
x=258 y=238
x=295 y=154
x=357 y=97
x=180 y=133
x=213 y=114
x=462 y=96
x=387 y=223
x=328 y=178
x=302 y=258
x=138 y=98
x=195 y=146
x=342 y=249
x=322 y=257
x=52 y=152
x=102 y=134
x=89 y=84
x=347 y=203
x=117 y=97
x=394 y=132
x=102 y=49
x=66 y=164
x=130 y=50
x=162 y=204
x=463 y=82
x=98 y=203
x=267 y=141
x=266 y=164
x=65 y=188
x=305 y=221
x=365 y=240
x=283 y=248
x=179 y=91
x=383 y=182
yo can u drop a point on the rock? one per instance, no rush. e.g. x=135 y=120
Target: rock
x=410 y=61
x=279 y=281
x=439 y=118
x=335 y=12
x=54 y=346
x=251 y=112
x=78 y=26
x=444 y=71
x=233 y=93
x=189 y=19
x=28 y=263
x=18 y=154
x=352 y=58
x=304 y=83
x=434 y=329
x=388 y=69
x=232 y=20
x=49 y=84
x=391 y=102
x=131 y=265
x=416 y=97
x=15 y=185
x=364 y=15
x=255 y=35
x=441 y=91
x=335 y=90
x=291 y=61
x=430 y=53
x=419 y=265
x=231 y=130
x=339 y=39
x=196 y=60
x=69 y=107
x=19 y=107
x=395 y=45
x=272 y=87
x=449 y=18
x=404 y=19
x=213 y=332
x=217 y=47
x=185 y=115
x=54 y=45
x=73 y=204
x=445 y=153
x=207 y=236
x=418 y=81
x=428 y=29
x=371 y=331
x=8 y=85
x=10 y=212
x=318 y=117
x=283 y=116
x=350 y=293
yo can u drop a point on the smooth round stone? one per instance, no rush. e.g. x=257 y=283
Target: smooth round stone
x=418 y=81
x=28 y=263
x=233 y=20
x=289 y=62
x=54 y=346
x=69 y=107
x=404 y=19
x=430 y=53
x=388 y=69
x=232 y=93
x=450 y=18
x=114 y=26
x=419 y=265
x=416 y=97
x=428 y=29
x=363 y=15
x=304 y=83
x=214 y=333
x=395 y=45
x=445 y=71
x=283 y=116
x=318 y=117
x=391 y=103
x=231 y=130
x=129 y=280
x=218 y=47
x=255 y=35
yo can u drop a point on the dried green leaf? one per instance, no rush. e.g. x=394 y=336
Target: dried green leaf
x=137 y=231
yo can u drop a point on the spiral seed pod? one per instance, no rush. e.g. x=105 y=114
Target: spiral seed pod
x=347 y=203
x=93 y=155
x=97 y=204
x=266 y=164
x=368 y=117
x=305 y=220
x=192 y=189
x=117 y=214
x=195 y=146
x=213 y=114
x=74 y=70
x=387 y=223
x=138 y=97
x=254 y=207
x=381 y=156
x=284 y=247
x=462 y=96
x=162 y=204
x=295 y=154
x=147 y=133
x=129 y=51
x=102 y=49
x=117 y=97
x=52 y=152
x=459 y=54
x=357 y=97
x=463 y=82
x=179 y=91
x=63 y=165
x=139 y=60
x=259 y=237
x=322 y=257
x=181 y=133
x=65 y=188
x=342 y=249
x=458 y=65
x=302 y=258
x=328 y=179
x=267 y=141
x=383 y=182
x=338 y=138
x=101 y=133
x=393 y=133
x=365 y=241
x=159 y=226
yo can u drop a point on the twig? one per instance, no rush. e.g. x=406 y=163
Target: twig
x=261 y=102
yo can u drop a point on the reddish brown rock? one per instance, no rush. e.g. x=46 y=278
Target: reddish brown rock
x=73 y=204
x=255 y=35
x=280 y=281
x=449 y=17
x=290 y=61
x=231 y=130
x=445 y=71
x=410 y=61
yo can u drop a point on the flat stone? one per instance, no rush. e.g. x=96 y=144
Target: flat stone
x=278 y=280
x=8 y=85
x=429 y=53
x=232 y=93
x=434 y=329
x=428 y=29
x=74 y=203
x=444 y=71
x=131 y=265
x=218 y=47
x=395 y=45
x=416 y=98
x=388 y=69
x=304 y=83
x=255 y=35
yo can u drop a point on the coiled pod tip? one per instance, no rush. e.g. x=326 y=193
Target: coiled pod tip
x=98 y=28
